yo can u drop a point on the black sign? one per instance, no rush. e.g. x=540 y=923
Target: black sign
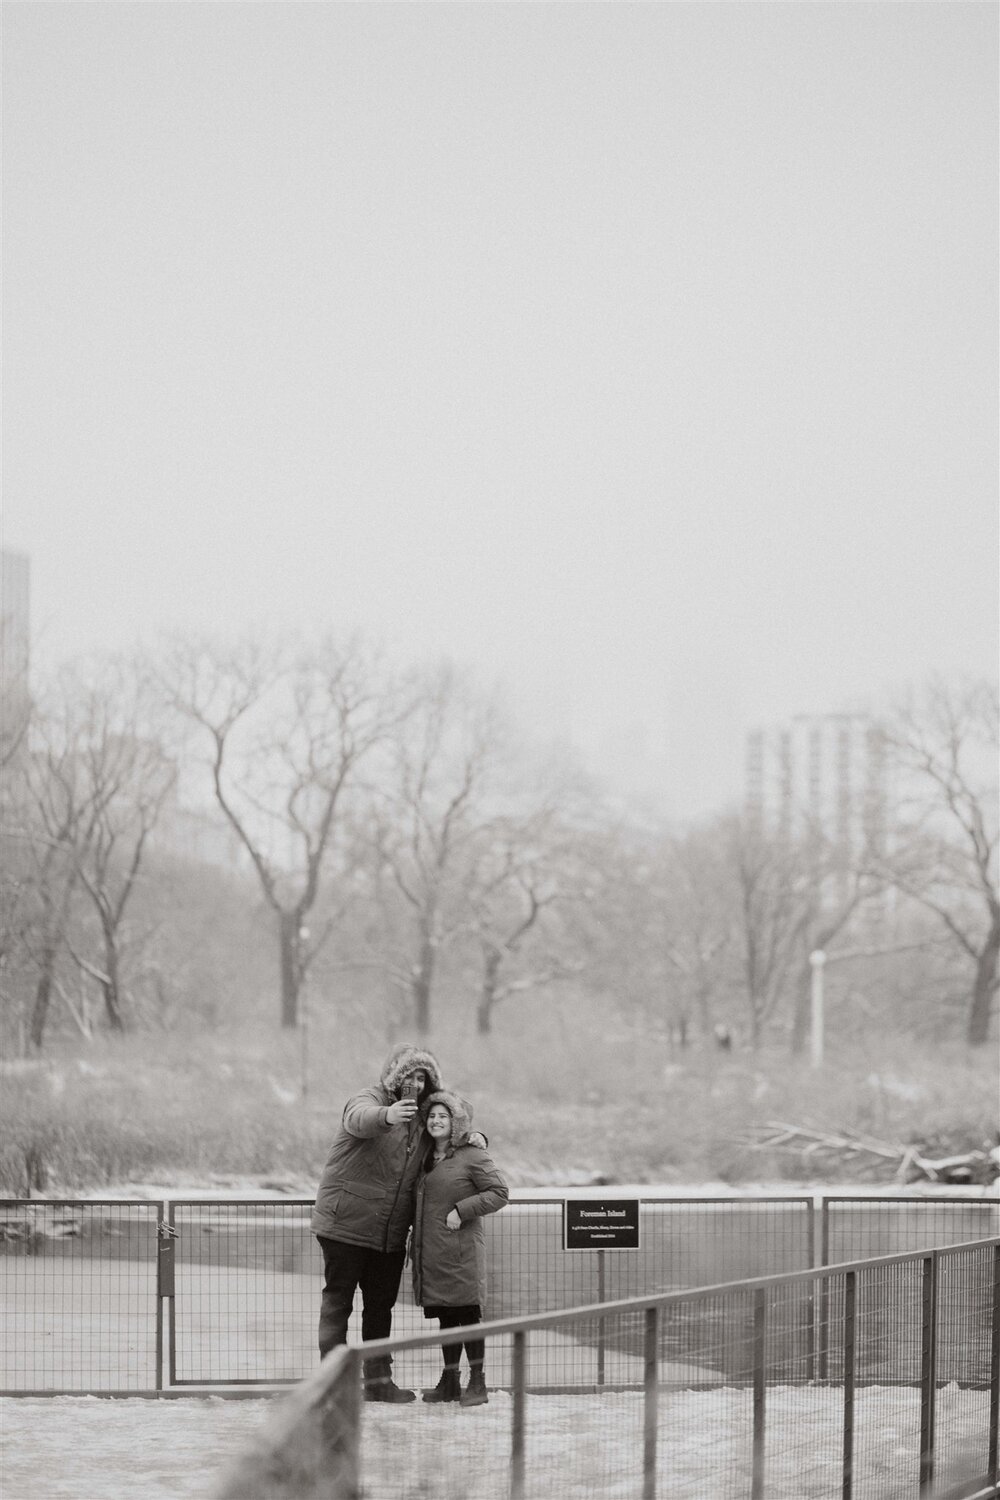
x=601 y=1224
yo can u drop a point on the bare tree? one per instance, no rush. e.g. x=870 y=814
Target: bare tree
x=943 y=749
x=57 y=824
x=443 y=774
x=18 y=832
x=38 y=880
x=99 y=778
x=129 y=778
x=525 y=868
x=772 y=915
x=288 y=729
x=696 y=920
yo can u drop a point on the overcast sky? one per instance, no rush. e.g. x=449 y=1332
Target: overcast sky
x=641 y=356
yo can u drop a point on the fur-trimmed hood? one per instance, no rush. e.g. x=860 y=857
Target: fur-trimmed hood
x=461 y=1115
x=401 y=1061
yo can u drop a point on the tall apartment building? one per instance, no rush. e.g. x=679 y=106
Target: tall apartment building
x=825 y=776
x=15 y=644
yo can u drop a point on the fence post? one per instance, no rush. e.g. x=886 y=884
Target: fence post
x=166 y=1235
x=651 y=1399
x=340 y=1425
x=928 y=1368
x=823 y=1340
x=811 y=1295
x=850 y=1292
x=517 y=1417
x=601 y=1297
x=994 y=1368
x=309 y=1444
x=759 y=1390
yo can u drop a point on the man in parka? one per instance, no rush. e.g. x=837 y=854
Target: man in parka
x=364 y=1206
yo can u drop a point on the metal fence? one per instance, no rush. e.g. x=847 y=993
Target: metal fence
x=80 y=1296
x=851 y=1226
x=111 y=1296
x=722 y=1394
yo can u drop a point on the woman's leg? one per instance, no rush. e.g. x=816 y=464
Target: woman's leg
x=451 y=1317
x=449 y=1387
x=475 y=1393
x=475 y=1349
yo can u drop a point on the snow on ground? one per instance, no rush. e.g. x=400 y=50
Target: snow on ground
x=90 y=1448
x=577 y=1447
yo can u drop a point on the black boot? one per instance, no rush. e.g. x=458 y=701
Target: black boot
x=475 y=1393
x=387 y=1390
x=448 y=1388
x=379 y=1384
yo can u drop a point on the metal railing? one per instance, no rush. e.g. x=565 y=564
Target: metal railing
x=906 y=1404
x=104 y=1295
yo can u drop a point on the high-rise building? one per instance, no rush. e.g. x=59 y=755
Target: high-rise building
x=15 y=616
x=822 y=776
x=15 y=645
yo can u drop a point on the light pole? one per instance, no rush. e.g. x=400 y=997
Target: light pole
x=817 y=959
x=303 y=1022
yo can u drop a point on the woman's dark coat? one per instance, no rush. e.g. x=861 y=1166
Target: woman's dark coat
x=365 y=1195
x=449 y=1265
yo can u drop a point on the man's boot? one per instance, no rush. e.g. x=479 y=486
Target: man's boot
x=379 y=1385
x=475 y=1393
x=448 y=1388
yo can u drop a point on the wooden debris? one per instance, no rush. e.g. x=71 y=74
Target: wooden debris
x=845 y=1147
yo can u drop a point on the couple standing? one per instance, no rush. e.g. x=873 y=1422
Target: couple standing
x=405 y=1156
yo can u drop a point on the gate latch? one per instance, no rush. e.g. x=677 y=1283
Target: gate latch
x=166 y=1235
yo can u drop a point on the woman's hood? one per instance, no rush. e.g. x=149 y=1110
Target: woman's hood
x=460 y=1110
x=402 y=1060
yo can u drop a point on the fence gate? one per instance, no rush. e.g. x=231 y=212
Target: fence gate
x=80 y=1296
x=244 y=1291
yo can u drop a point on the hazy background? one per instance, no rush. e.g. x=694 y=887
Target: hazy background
x=641 y=356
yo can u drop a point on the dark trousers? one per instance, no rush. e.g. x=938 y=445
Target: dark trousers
x=345 y=1268
x=458 y=1317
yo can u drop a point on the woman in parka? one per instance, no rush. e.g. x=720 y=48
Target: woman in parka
x=458 y=1185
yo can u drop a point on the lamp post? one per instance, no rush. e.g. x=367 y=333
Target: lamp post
x=303 y=1024
x=817 y=959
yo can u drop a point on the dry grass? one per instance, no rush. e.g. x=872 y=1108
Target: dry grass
x=179 y=1112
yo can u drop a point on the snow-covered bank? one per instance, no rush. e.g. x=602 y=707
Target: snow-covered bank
x=272 y=1188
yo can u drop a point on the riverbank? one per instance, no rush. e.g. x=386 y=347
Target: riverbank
x=217 y=1109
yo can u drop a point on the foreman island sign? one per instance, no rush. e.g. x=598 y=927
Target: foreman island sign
x=600 y=1224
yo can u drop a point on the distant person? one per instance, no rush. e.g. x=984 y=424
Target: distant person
x=458 y=1185
x=364 y=1207
x=723 y=1037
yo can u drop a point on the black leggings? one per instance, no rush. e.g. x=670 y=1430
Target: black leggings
x=456 y=1317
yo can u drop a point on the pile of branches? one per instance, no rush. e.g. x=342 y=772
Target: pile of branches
x=868 y=1156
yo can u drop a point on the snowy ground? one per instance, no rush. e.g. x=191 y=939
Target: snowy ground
x=577 y=1447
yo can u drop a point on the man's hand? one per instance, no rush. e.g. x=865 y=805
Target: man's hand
x=402 y=1112
x=476 y=1138
x=454 y=1220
